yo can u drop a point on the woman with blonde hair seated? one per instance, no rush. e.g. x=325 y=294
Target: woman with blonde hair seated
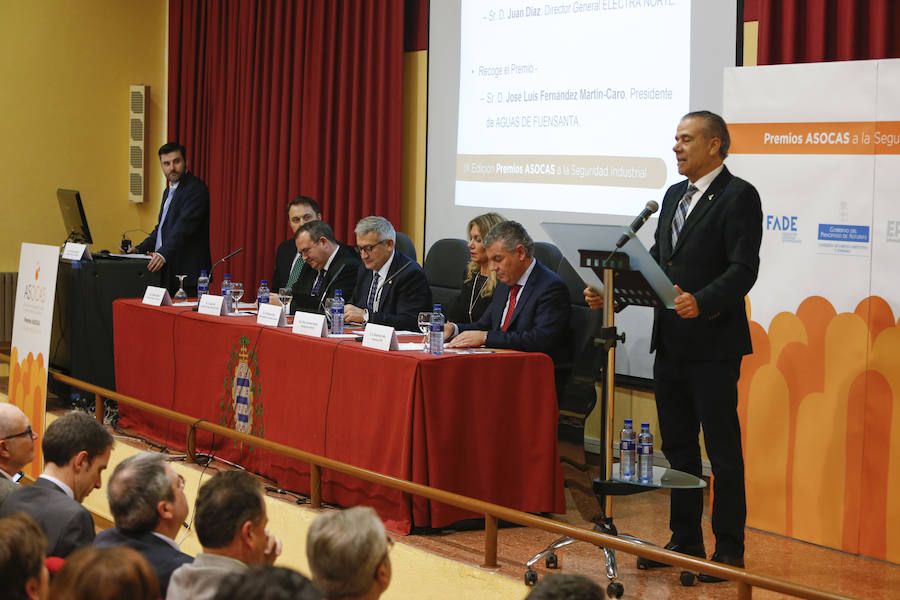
x=480 y=282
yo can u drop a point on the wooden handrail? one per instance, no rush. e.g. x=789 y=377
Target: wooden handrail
x=492 y=512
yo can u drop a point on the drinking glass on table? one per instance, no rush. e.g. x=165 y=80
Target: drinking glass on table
x=285 y=295
x=424 y=322
x=180 y=295
x=326 y=306
x=237 y=292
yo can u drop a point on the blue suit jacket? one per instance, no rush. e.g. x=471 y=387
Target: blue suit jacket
x=404 y=295
x=540 y=320
x=162 y=557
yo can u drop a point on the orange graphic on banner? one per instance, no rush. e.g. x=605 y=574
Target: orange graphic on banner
x=27 y=390
x=858 y=137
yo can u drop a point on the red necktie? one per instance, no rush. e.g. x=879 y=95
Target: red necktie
x=513 y=292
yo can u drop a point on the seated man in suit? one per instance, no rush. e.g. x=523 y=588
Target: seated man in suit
x=391 y=289
x=76 y=450
x=530 y=307
x=288 y=262
x=147 y=501
x=330 y=266
x=16 y=446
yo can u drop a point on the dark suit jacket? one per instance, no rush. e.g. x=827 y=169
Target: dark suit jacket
x=162 y=557
x=404 y=295
x=67 y=525
x=185 y=233
x=716 y=259
x=540 y=320
x=284 y=258
x=341 y=275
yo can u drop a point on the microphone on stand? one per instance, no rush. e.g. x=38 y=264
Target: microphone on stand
x=221 y=260
x=632 y=229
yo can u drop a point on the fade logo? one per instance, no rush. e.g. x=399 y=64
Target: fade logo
x=786 y=225
x=893 y=231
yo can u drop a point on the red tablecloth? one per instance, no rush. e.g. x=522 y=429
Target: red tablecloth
x=482 y=425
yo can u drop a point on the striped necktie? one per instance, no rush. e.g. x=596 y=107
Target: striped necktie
x=318 y=284
x=681 y=213
x=373 y=290
x=295 y=273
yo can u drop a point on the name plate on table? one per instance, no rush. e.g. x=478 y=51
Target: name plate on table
x=210 y=304
x=156 y=296
x=73 y=251
x=380 y=337
x=271 y=315
x=310 y=324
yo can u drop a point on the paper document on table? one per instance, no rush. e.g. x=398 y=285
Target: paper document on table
x=410 y=346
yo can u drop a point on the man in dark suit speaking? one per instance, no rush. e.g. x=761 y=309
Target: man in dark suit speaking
x=180 y=240
x=329 y=266
x=530 y=308
x=707 y=242
x=391 y=289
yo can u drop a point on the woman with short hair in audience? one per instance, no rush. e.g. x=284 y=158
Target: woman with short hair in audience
x=116 y=573
x=480 y=282
x=23 y=549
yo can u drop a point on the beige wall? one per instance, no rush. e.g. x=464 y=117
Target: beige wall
x=415 y=110
x=65 y=70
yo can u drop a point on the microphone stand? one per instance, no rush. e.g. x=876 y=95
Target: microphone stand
x=220 y=261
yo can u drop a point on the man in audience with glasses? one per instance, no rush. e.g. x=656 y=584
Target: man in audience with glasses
x=16 y=447
x=148 y=505
x=391 y=288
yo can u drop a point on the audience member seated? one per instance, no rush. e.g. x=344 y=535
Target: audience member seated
x=391 y=289
x=16 y=446
x=230 y=517
x=23 y=549
x=530 y=307
x=93 y=573
x=267 y=583
x=348 y=554
x=76 y=450
x=566 y=587
x=288 y=262
x=329 y=266
x=148 y=505
x=478 y=286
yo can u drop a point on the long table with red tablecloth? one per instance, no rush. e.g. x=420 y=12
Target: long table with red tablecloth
x=481 y=425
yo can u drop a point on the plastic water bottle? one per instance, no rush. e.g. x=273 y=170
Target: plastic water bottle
x=436 y=335
x=202 y=284
x=337 y=313
x=226 y=293
x=645 y=454
x=262 y=293
x=626 y=451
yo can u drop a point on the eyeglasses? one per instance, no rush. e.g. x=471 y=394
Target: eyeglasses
x=180 y=484
x=368 y=249
x=387 y=550
x=304 y=251
x=27 y=432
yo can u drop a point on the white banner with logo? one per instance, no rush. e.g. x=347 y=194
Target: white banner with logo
x=819 y=396
x=32 y=321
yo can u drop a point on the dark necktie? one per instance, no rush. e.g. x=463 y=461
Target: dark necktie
x=681 y=212
x=318 y=284
x=513 y=292
x=373 y=289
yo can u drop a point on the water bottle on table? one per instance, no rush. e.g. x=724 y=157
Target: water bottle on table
x=436 y=333
x=337 y=313
x=202 y=284
x=226 y=293
x=262 y=293
x=645 y=454
x=627 y=462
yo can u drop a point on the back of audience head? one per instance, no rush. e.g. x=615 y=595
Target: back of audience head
x=23 y=549
x=566 y=587
x=348 y=553
x=141 y=489
x=267 y=583
x=92 y=573
x=231 y=516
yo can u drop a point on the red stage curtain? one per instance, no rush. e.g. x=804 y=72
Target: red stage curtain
x=277 y=98
x=800 y=31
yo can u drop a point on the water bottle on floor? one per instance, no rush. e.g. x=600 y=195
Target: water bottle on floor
x=627 y=457
x=436 y=336
x=337 y=313
x=645 y=454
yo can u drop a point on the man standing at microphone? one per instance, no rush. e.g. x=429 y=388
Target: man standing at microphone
x=180 y=240
x=707 y=242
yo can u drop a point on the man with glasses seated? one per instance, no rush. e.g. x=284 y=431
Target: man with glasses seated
x=331 y=266
x=16 y=446
x=148 y=505
x=391 y=289
x=348 y=553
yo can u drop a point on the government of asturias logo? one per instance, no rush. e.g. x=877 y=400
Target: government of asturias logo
x=241 y=407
